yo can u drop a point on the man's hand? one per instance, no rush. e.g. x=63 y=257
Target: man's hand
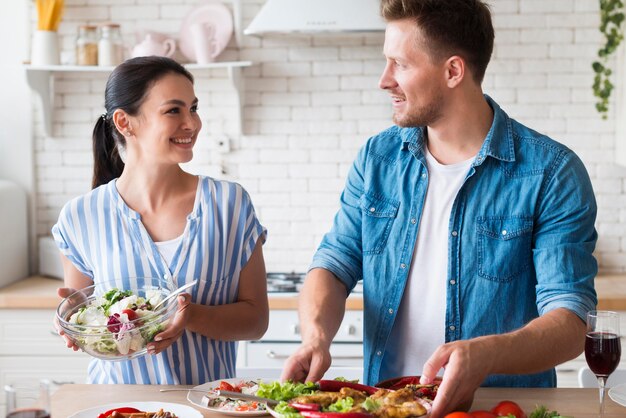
x=467 y=364
x=175 y=329
x=307 y=364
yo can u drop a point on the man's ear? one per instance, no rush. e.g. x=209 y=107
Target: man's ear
x=122 y=122
x=455 y=70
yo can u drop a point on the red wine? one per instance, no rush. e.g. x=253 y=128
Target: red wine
x=602 y=351
x=28 y=413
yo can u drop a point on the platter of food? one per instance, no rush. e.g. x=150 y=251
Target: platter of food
x=344 y=399
x=226 y=405
x=139 y=410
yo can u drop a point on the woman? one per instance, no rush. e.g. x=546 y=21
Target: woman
x=146 y=217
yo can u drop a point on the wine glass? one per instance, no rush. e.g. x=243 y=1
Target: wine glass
x=602 y=347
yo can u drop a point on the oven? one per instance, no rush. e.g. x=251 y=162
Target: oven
x=283 y=334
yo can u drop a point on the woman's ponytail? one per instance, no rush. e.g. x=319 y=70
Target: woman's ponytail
x=107 y=162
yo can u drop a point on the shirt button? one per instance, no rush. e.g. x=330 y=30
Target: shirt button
x=453 y=282
x=504 y=232
x=424 y=175
x=372 y=209
x=165 y=276
x=413 y=221
x=452 y=327
x=402 y=266
x=454 y=233
x=379 y=353
x=390 y=311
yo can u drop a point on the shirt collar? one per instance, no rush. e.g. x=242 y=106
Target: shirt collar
x=497 y=144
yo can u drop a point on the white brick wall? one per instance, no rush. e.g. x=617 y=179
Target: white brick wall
x=312 y=101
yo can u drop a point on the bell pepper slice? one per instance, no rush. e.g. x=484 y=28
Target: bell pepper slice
x=305 y=406
x=126 y=409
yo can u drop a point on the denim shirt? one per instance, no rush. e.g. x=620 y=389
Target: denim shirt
x=521 y=237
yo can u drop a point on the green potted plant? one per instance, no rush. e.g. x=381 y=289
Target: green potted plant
x=611 y=19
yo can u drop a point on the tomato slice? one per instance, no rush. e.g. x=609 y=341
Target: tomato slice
x=126 y=409
x=132 y=315
x=227 y=386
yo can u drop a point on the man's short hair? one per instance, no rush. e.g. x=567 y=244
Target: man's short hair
x=451 y=27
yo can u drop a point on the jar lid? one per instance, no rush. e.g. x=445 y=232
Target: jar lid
x=110 y=25
x=88 y=27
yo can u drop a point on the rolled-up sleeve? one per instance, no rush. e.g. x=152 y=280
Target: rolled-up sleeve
x=565 y=238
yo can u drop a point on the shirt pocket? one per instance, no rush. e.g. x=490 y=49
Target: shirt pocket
x=504 y=247
x=378 y=214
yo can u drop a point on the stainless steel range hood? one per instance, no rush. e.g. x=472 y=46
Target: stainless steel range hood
x=286 y=16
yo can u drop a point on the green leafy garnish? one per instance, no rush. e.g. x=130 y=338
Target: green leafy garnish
x=543 y=412
x=112 y=296
x=286 y=390
x=286 y=411
x=343 y=379
x=370 y=405
x=342 y=405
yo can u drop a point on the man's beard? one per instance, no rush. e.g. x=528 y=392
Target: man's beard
x=423 y=116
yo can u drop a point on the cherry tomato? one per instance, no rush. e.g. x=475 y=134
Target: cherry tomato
x=228 y=386
x=132 y=315
x=483 y=414
x=242 y=408
x=458 y=415
x=505 y=408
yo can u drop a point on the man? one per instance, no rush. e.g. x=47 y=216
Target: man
x=472 y=233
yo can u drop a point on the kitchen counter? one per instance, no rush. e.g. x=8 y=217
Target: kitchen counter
x=39 y=292
x=578 y=403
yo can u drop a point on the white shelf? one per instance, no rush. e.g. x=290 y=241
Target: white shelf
x=41 y=80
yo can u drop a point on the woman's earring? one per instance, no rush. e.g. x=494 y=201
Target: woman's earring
x=127 y=133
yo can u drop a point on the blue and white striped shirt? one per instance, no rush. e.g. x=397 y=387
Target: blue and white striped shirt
x=105 y=240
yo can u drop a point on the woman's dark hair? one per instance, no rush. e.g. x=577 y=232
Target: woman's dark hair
x=451 y=27
x=126 y=89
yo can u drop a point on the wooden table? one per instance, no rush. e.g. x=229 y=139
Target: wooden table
x=577 y=403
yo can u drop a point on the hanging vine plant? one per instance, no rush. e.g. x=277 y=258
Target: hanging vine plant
x=611 y=19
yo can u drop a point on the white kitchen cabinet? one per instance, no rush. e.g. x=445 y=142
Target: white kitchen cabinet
x=282 y=338
x=567 y=373
x=30 y=348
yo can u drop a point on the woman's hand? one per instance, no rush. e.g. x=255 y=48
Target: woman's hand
x=175 y=329
x=64 y=292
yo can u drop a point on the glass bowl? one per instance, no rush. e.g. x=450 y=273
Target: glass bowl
x=114 y=320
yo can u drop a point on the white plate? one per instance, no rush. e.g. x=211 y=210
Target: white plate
x=196 y=397
x=214 y=14
x=618 y=394
x=273 y=413
x=182 y=411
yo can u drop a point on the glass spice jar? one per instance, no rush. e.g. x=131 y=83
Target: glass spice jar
x=110 y=47
x=87 y=45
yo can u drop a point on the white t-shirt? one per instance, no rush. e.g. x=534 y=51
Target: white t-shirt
x=168 y=248
x=420 y=325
